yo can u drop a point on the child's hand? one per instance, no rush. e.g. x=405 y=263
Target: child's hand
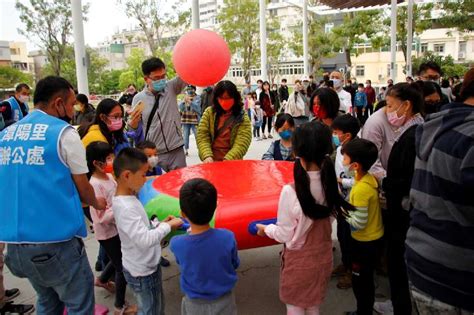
x=261 y=229
x=339 y=180
x=175 y=223
x=208 y=160
x=169 y=218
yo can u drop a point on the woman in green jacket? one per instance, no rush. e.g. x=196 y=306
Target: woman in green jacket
x=224 y=132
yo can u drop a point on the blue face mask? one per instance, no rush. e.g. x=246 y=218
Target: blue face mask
x=286 y=135
x=336 y=141
x=159 y=85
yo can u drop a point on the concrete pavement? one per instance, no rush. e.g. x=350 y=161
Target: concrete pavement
x=257 y=289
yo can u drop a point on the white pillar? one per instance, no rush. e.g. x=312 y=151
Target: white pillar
x=393 y=41
x=409 y=37
x=305 y=38
x=79 y=47
x=263 y=40
x=195 y=12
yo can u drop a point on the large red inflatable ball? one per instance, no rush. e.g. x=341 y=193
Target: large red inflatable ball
x=201 y=57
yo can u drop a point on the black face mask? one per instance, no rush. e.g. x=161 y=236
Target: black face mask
x=431 y=108
x=65 y=117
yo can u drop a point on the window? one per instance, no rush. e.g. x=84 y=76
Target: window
x=438 y=48
x=328 y=27
x=424 y=47
x=462 y=47
x=360 y=71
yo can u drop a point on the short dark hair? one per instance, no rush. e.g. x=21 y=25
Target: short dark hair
x=129 y=159
x=48 y=87
x=283 y=80
x=360 y=85
x=444 y=83
x=97 y=151
x=21 y=86
x=146 y=145
x=361 y=151
x=259 y=81
x=370 y=81
x=429 y=65
x=152 y=64
x=282 y=118
x=347 y=124
x=467 y=88
x=408 y=92
x=198 y=200
x=82 y=98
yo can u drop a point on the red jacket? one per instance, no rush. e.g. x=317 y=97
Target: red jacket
x=370 y=91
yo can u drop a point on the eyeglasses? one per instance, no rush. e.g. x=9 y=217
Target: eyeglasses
x=157 y=78
x=114 y=117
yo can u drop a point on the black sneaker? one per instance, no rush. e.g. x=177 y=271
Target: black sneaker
x=11 y=294
x=16 y=308
x=164 y=262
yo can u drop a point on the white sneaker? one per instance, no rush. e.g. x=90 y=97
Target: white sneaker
x=384 y=307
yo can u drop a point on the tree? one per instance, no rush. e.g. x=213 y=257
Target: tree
x=10 y=77
x=275 y=45
x=459 y=14
x=95 y=69
x=358 y=28
x=133 y=74
x=239 y=26
x=319 y=42
x=49 y=24
x=109 y=82
x=154 y=20
x=448 y=67
x=421 y=22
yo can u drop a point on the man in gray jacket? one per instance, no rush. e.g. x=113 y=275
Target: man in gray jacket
x=164 y=129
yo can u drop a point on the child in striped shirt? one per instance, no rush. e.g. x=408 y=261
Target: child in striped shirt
x=366 y=221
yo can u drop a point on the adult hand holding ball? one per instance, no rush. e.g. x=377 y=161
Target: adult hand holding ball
x=201 y=57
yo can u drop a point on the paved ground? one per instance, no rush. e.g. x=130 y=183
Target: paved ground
x=257 y=288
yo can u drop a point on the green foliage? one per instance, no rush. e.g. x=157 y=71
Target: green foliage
x=239 y=25
x=96 y=68
x=447 y=64
x=319 y=42
x=459 y=14
x=154 y=19
x=358 y=28
x=276 y=43
x=10 y=77
x=421 y=22
x=49 y=24
x=109 y=82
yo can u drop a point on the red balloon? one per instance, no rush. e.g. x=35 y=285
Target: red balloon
x=201 y=57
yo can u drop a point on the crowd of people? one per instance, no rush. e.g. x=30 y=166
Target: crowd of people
x=394 y=168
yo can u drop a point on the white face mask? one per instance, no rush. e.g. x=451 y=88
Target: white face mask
x=337 y=83
x=153 y=161
x=24 y=98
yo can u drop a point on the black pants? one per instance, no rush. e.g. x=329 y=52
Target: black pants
x=113 y=250
x=256 y=131
x=368 y=110
x=397 y=270
x=361 y=117
x=364 y=259
x=267 y=121
x=345 y=239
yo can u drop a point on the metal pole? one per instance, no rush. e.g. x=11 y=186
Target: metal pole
x=393 y=41
x=195 y=11
x=305 y=39
x=79 y=47
x=263 y=40
x=409 y=37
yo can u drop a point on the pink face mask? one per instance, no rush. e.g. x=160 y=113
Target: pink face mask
x=115 y=124
x=393 y=118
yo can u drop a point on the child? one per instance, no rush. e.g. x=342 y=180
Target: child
x=303 y=222
x=345 y=128
x=149 y=148
x=281 y=150
x=140 y=240
x=366 y=221
x=207 y=257
x=99 y=161
x=256 y=116
x=360 y=102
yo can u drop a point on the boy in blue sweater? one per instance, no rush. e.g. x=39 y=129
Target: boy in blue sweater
x=207 y=257
x=360 y=102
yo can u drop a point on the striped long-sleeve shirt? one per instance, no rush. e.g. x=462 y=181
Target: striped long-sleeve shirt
x=366 y=220
x=440 y=241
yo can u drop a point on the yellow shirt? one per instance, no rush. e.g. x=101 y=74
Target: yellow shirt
x=365 y=197
x=94 y=134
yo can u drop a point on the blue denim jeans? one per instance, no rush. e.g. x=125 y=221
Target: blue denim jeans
x=148 y=291
x=187 y=132
x=60 y=274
